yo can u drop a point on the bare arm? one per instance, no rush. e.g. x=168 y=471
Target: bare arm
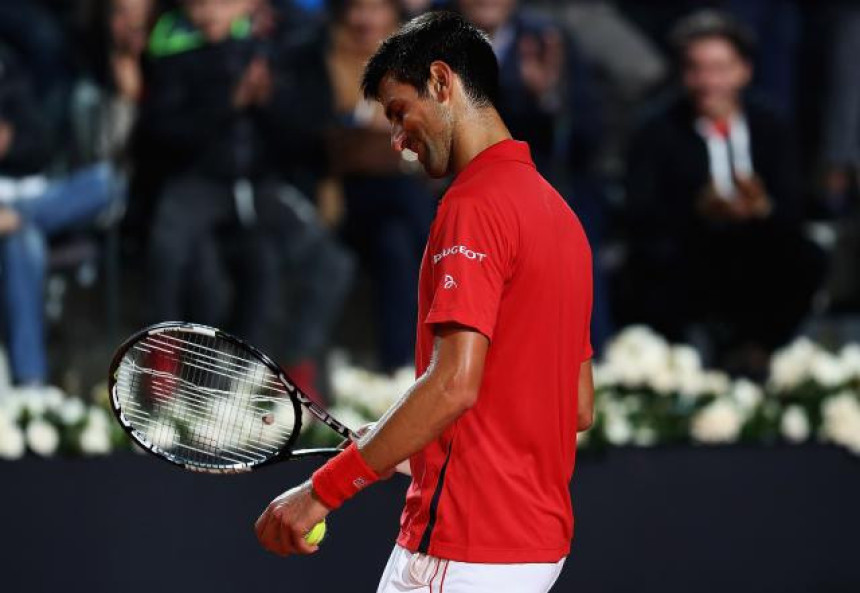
x=447 y=390
x=585 y=411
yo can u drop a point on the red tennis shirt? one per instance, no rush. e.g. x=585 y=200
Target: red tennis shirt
x=507 y=257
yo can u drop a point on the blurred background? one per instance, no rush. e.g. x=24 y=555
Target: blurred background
x=214 y=161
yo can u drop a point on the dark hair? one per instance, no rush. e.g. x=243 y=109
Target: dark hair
x=712 y=23
x=444 y=36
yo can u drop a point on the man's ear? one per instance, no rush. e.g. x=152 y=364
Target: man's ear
x=441 y=83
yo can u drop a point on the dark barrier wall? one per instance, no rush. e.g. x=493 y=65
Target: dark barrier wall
x=687 y=520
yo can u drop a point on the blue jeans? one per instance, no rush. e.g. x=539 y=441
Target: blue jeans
x=67 y=203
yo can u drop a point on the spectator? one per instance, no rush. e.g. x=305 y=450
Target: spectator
x=714 y=210
x=842 y=114
x=32 y=30
x=546 y=99
x=105 y=101
x=383 y=211
x=32 y=208
x=841 y=155
x=544 y=82
x=222 y=123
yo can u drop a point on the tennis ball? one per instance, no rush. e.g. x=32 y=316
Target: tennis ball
x=316 y=534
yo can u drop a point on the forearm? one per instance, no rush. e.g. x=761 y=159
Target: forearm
x=421 y=415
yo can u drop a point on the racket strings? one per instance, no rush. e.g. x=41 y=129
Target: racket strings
x=203 y=400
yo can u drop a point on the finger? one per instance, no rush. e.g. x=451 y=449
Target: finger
x=260 y=523
x=272 y=539
x=301 y=545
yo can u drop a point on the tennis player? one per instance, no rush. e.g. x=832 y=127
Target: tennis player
x=503 y=347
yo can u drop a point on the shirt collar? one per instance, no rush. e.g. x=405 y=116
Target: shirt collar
x=506 y=150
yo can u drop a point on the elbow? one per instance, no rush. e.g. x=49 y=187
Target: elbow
x=584 y=421
x=458 y=398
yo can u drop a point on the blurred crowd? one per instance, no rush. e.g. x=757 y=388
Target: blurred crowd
x=710 y=149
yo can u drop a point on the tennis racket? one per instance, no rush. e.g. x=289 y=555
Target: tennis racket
x=204 y=400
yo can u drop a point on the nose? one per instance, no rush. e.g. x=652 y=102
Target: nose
x=398 y=138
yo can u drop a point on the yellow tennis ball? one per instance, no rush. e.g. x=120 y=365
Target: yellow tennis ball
x=316 y=534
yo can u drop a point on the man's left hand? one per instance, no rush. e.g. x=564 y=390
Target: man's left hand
x=282 y=527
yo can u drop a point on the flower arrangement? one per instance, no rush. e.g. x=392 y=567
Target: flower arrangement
x=647 y=392
x=46 y=422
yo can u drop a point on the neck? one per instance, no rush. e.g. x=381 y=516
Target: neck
x=479 y=131
x=727 y=112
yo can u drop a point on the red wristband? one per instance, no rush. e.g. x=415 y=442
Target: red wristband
x=342 y=478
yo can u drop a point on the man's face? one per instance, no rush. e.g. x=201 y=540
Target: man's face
x=420 y=124
x=370 y=21
x=488 y=15
x=214 y=17
x=129 y=20
x=714 y=75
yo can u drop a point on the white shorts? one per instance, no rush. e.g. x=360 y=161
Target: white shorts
x=406 y=571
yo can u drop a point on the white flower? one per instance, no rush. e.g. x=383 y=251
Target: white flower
x=841 y=420
x=685 y=359
x=6 y=417
x=747 y=395
x=716 y=382
x=12 y=405
x=790 y=366
x=719 y=422
x=349 y=417
x=636 y=354
x=617 y=429
x=604 y=375
x=794 y=424
x=849 y=358
x=664 y=381
x=71 y=411
x=12 y=445
x=53 y=397
x=827 y=370
x=95 y=440
x=97 y=417
x=404 y=379
x=42 y=438
x=692 y=385
x=645 y=436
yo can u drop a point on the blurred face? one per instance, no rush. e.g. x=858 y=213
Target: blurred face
x=488 y=15
x=369 y=22
x=714 y=74
x=419 y=124
x=129 y=24
x=214 y=17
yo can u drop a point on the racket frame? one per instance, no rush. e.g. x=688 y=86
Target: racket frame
x=297 y=397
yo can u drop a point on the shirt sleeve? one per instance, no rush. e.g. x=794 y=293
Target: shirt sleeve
x=587 y=350
x=470 y=254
